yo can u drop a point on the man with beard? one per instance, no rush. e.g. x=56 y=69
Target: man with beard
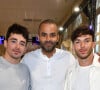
x=13 y=74
x=85 y=74
x=48 y=65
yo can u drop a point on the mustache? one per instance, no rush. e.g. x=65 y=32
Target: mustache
x=48 y=42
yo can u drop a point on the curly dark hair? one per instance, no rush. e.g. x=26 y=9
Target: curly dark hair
x=82 y=30
x=17 y=29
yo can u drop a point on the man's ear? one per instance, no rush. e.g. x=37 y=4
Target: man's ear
x=25 y=50
x=58 y=37
x=94 y=44
x=5 y=43
x=73 y=48
x=38 y=37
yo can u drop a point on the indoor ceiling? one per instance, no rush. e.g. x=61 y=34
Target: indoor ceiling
x=31 y=12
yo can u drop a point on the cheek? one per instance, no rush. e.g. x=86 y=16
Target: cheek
x=76 y=47
x=55 y=39
x=23 y=49
x=9 y=46
x=93 y=45
x=89 y=46
x=42 y=39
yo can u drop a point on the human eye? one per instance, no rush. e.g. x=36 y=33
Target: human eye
x=43 y=34
x=22 y=44
x=13 y=41
x=76 y=42
x=53 y=35
x=87 y=40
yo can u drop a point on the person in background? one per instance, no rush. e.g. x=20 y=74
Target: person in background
x=13 y=74
x=85 y=74
x=48 y=65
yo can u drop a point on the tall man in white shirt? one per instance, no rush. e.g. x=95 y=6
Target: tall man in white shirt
x=48 y=65
x=85 y=74
x=13 y=74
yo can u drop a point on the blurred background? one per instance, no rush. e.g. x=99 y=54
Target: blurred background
x=69 y=14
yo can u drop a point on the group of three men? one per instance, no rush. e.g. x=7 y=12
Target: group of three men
x=49 y=68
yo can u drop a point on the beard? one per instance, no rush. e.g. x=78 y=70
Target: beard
x=49 y=48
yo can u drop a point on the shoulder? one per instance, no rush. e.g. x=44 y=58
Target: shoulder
x=31 y=54
x=66 y=55
x=1 y=58
x=96 y=60
x=24 y=67
x=2 y=62
x=63 y=51
x=72 y=68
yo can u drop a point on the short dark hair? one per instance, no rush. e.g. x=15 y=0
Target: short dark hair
x=82 y=30
x=47 y=21
x=17 y=29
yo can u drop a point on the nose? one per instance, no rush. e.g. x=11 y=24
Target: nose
x=17 y=45
x=82 y=44
x=48 y=38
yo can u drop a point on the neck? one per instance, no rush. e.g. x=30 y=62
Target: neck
x=10 y=59
x=49 y=54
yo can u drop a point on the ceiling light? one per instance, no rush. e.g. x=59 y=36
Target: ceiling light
x=61 y=28
x=76 y=9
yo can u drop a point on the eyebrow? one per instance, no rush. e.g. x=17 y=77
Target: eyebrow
x=49 y=33
x=88 y=38
x=12 y=39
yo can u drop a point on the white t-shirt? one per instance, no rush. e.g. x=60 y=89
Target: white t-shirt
x=82 y=79
x=13 y=76
x=48 y=73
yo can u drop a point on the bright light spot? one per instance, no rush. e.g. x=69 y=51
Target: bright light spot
x=76 y=9
x=66 y=30
x=91 y=27
x=61 y=28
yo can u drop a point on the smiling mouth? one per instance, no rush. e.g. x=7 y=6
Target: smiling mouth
x=48 y=44
x=16 y=52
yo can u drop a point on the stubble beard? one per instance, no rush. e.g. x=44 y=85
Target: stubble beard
x=86 y=56
x=49 y=49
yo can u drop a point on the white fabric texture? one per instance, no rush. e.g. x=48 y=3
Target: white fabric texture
x=82 y=79
x=13 y=76
x=94 y=75
x=48 y=73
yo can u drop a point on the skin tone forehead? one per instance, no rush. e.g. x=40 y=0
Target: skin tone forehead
x=48 y=28
x=19 y=36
